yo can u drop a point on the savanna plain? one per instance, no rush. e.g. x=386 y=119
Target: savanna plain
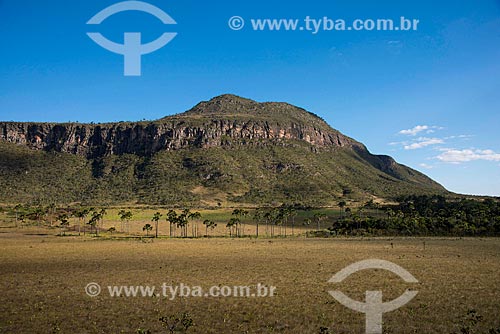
x=43 y=280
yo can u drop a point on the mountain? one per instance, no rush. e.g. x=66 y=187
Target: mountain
x=226 y=150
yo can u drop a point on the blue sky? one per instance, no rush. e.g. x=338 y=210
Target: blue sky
x=441 y=83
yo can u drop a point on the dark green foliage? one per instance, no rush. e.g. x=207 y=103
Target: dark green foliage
x=469 y=324
x=175 y=323
x=423 y=215
x=40 y=177
x=268 y=175
x=147 y=228
x=324 y=330
x=143 y=331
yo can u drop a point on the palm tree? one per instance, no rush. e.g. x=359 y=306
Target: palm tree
x=16 y=208
x=347 y=211
x=63 y=218
x=292 y=213
x=103 y=212
x=156 y=218
x=307 y=221
x=121 y=214
x=275 y=219
x=125 y=217
x=239 y=213
x=147 y=228
x=22 y=218
x=38 y=213
x=183 y=221
x=284 y=212
x=209 y=223
x=279 y=219
x=360 y=217
x=80 y=214
x=97 y=216
x=172 y=218
x=93 y=223
x=318 y=217
x=50 y=211
x=342 y=205
x=230 y=225
x=270 y=218
x=256 y=218
x=194 y=215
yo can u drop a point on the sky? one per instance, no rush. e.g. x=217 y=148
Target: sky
x=429 y=97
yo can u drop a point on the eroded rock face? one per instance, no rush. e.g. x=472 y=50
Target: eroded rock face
x=98 y=140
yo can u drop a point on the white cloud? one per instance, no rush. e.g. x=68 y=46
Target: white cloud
x=415 y=130
x=426 y=166
x=419 y=128
x=459 y=156
x=459 y=137
x=414 y=142
x=423 y=142
x=397 y=143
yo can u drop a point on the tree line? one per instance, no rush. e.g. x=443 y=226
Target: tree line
x=410 y=216
x=422 y=216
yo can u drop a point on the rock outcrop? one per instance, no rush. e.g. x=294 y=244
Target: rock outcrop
x=206 y=125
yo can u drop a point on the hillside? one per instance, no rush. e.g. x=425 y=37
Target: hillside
x=226 y=150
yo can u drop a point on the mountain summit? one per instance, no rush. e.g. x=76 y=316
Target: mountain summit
x=236 y=106
x=226 y=150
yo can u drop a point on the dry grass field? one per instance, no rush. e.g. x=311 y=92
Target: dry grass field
x=43 y=279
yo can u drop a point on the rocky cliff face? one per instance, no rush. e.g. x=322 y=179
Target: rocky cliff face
x=171 y=133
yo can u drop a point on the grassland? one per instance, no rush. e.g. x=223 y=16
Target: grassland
x=43 y=279
x=143 y=215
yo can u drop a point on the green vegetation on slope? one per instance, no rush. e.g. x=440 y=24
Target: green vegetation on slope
x=260 y=173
